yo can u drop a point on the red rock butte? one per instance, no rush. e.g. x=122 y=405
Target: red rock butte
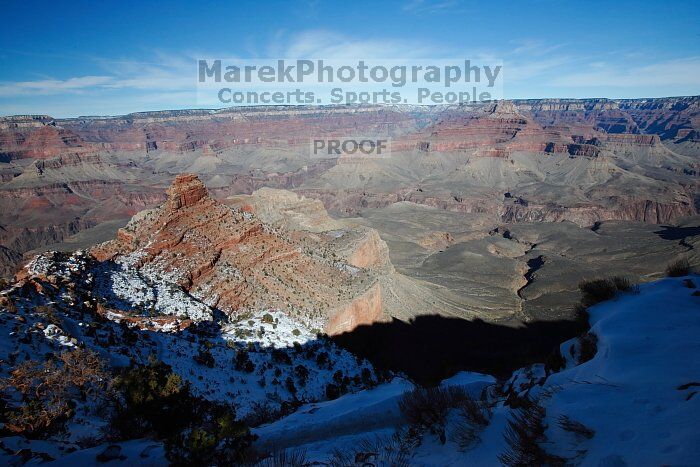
x=232 y=261
x=185 y=191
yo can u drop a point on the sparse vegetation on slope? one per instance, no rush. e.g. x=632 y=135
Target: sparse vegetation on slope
x=525 y=435
x=598 y=290
x=38 y=398
x=427 y=409
x=154 y=402
x=678 y=268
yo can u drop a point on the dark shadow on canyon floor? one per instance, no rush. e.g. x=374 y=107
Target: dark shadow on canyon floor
x=677 y=233
x=431 y=348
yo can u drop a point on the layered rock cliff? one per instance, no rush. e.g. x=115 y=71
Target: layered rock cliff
x=581 y=160
x=230 y=260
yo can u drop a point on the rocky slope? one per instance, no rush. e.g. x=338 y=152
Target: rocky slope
x=232 y=261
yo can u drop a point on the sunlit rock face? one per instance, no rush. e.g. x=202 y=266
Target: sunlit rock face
x=233 y=262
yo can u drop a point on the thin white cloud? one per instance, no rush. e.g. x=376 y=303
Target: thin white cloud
x=680 y=72
x=164 y=73
x=54 y=86
x=423 y=6
x=167 y=72
x=534 y=48
x=321 y=43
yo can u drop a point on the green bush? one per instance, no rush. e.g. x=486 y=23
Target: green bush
x=213 y=438
x=154 y=402
x=204 y=357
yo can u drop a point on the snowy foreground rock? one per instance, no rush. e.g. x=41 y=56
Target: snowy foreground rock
x=261 y=363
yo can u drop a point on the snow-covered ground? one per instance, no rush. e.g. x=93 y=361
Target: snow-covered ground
x=639 y=393
x=321 y=426
x=635 y=402
x=269 y=328
x=262 y=362
x=127 y=288
x=271 y=371
x=637 y=399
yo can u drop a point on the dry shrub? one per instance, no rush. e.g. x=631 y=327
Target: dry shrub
x=284 y=458
x=599 y=290
x=588 y=346
x=427 y=408
x=10 y=305
x=555 y=362
x=394 y=450
x=261 y=414
x=577 y=428
x=581 y=315
x=46 y=391
x=678 y=268
x=50 y=313
x=474 y=416
x=524 y=436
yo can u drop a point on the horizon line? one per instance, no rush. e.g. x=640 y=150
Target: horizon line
x=359 y=105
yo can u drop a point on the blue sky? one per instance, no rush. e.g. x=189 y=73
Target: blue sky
x=98 y=58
